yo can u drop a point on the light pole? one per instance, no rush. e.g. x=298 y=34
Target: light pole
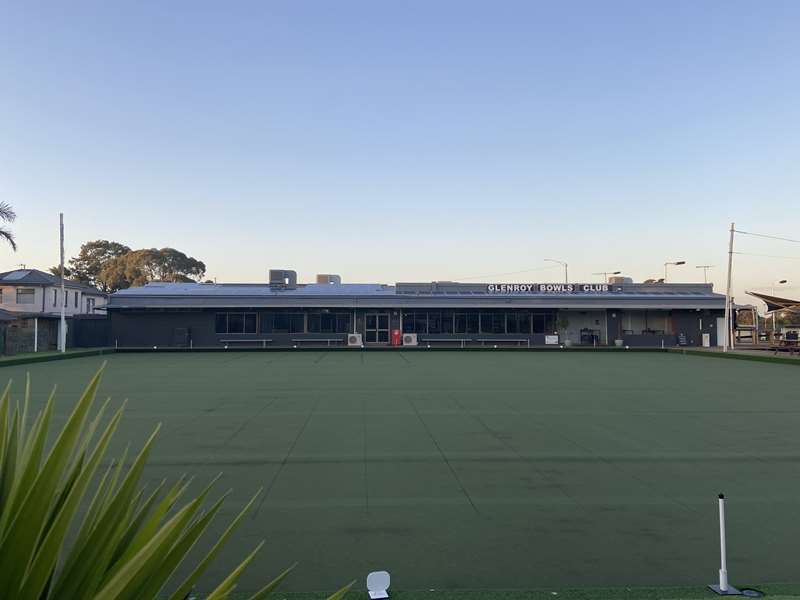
x=781 y=282
x=562 y=263
x=666 y=264
x=705 y=271
x=605 y=274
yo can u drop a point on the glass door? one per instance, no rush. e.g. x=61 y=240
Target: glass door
x=376 y=328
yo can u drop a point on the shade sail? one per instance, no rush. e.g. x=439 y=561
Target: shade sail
x=774 y=303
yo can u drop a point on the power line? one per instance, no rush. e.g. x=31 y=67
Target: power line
x=768 y=255
x=770 y=237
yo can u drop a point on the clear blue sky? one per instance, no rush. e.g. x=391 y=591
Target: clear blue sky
x=392 y=141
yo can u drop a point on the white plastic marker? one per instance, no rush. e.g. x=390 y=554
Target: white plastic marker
x=378 y=585
x=724 y=588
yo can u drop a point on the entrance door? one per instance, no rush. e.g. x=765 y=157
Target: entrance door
x=376 y=328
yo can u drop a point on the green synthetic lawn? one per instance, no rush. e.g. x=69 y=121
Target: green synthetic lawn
x=475 y=470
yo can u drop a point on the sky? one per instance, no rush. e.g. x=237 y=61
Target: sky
x=408 y=140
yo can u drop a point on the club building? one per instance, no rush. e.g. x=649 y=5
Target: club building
x=284 y=313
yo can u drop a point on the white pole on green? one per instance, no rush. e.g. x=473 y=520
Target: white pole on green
x=723 y=588
x=728 y=329
x=62 y=334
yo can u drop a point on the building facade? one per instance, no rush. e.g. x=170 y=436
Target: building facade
x=284 y=313
x=35 y=292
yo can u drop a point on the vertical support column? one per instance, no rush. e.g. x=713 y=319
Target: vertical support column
x=35 y=334
x=723 y=556
x=728 y=307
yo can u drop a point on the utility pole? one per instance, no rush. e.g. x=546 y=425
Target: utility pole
x=62 y=333
x=728 y=329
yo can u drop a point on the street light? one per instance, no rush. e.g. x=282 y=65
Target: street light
x=781 y=282
x=561 y=262
x=666 y=264
x=705 y=271
x=605 y=274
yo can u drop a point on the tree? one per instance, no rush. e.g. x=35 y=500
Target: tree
x=7 y=215
x=138 y=267
x=90 y=262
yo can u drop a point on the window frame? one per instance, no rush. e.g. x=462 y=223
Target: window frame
x=26 y=291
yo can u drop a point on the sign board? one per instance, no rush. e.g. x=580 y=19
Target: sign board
x=549 y=288
x=551 y=340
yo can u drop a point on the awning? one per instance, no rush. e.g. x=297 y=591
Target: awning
x=775 y=304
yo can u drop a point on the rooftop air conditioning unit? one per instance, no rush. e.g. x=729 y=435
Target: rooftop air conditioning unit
x=354 y=340
x=410 y=339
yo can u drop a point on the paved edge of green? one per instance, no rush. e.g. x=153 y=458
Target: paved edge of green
x=30 y=357
x=734 y=356
x=775 y=591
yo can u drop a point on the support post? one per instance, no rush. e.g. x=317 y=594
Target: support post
x=35 y=334
x=62 y=333
x=728 y=329
x=723 y=588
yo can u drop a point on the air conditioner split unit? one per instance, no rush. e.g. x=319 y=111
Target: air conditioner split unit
x=354 y=340
x=410 y=339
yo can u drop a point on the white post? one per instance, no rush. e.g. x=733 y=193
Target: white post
x=727 y=339
x=62 y=334
x=35 y=334
x=723 y=564
x=566 y=273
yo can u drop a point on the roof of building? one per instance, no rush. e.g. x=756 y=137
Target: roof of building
x=37 y=277
x=467 y=295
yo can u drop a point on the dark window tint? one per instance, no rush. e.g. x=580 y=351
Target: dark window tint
x=343 y=323
x=461 y=323
x=524 y=320
x=511 y=323
x=235 y=323
x=280 y=323
x=314 y=322
x=250 y=323
x=296 y=323
x=447 y=322
x=472 y=322
x=434 y=322
x=222 y=322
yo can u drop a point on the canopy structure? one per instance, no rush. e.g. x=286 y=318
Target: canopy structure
x=776 y=304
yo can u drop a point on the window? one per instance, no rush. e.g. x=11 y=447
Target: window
x=447 y=322
x=473 y=322
x=26 y=296
x=434 y=322
x=525 y=323
x=512 y=325
x=343 y=323
x=76 y=299
x=544 y=322
x=493 y=323
x=55 y=297
x=1 y=295
x=89 y=305
x=297 y=323
x=235 y=323
x=421 y=322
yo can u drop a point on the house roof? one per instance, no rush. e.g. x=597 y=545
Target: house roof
x=39 y=278
x=441 y=294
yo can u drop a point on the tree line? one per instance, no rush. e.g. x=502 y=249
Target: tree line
x=111 y=266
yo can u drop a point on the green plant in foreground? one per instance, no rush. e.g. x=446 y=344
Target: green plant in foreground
x=128 y=544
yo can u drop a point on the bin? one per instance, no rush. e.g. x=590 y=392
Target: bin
x=396 y=337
